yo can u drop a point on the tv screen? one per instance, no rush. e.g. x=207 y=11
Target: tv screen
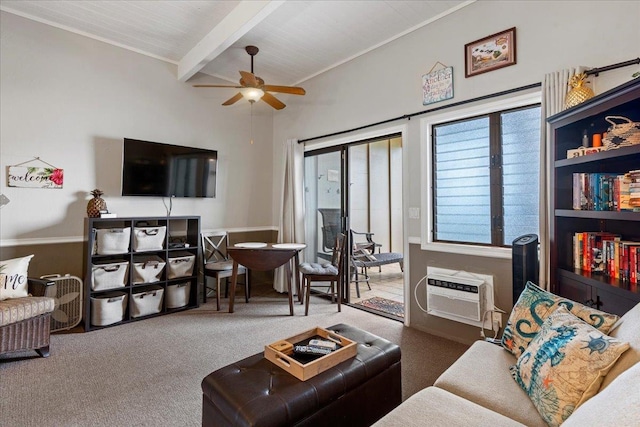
x=164 y=170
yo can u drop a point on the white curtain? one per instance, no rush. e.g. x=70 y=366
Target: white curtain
x=554 y=89
x=291 y=223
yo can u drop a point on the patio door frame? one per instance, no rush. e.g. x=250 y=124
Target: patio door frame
x=342 y=145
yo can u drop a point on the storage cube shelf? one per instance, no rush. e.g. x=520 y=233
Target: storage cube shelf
x=597 y=289
x=152 y=261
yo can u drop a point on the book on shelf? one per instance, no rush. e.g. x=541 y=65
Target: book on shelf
x=606 y=191
x=607 y=253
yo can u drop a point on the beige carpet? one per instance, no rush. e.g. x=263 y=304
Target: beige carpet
x=148 y=373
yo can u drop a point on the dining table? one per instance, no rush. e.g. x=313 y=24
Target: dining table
x=261 y=256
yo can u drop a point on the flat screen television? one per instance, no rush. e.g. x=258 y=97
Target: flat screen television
x=164 y=170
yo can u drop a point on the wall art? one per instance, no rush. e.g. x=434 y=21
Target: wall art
x=437 y=85
x=490 y=53
x=22 y=175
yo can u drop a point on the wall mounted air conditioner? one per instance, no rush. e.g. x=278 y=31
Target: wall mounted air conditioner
x=459 y=296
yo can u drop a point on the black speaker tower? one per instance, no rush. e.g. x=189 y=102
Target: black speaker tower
x=525 y=263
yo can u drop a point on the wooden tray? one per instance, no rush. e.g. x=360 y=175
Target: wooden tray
x=281 y=353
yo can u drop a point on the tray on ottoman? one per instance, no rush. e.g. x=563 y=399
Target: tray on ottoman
x=304 y=367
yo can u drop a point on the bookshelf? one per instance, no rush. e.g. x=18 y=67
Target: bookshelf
x=595 y=289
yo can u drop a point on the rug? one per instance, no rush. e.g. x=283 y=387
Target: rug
x=385 y=305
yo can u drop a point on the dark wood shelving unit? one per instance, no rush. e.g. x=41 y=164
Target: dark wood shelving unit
x=180 y=230
x=595 y=289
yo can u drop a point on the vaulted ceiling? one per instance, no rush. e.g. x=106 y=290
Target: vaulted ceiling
x=297 y=39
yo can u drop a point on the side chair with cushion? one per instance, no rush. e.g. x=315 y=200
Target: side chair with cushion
x=218 y=265
x=25 y=313
x=326 y=272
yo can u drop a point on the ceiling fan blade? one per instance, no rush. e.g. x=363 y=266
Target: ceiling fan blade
x=237 y=97
x=284 y=89
x=236 y=86
x=249 y=78
x=273 y=101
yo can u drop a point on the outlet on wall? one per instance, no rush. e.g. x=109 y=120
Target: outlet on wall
x=497 y=320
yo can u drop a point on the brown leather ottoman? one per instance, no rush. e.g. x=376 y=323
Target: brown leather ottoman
x=356 y=392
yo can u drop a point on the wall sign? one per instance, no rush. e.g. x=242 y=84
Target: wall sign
x=21 y=175
x=437 y=85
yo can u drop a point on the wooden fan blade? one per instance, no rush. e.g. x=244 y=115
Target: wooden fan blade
x=284 y=89
x=237 y=97
x=273 y=101
x=249 y=78
x=236 y=86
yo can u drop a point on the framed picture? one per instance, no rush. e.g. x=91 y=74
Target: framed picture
x=490 y=53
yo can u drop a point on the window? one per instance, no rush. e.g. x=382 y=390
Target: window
x=485 y=176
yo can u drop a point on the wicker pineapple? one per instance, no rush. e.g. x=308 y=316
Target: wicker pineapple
x=96 y=204
x=579 y=92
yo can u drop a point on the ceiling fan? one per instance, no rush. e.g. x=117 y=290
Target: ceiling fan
x=253 y=88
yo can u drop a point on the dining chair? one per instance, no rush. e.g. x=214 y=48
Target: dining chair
x=218 y=265
x=326 y=272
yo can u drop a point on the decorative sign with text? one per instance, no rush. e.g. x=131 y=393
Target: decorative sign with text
x=437 y=85
x=34 y=177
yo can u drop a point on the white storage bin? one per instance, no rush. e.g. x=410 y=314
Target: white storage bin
x=147 y=269
x=109 y=274
x=108 y=309
x=148 y=238
x=111 y=241
x=146 y=301
x=178 y=295
x=180 y=264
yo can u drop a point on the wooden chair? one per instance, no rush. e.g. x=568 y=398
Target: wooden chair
x=326 y=272
x=218 y=265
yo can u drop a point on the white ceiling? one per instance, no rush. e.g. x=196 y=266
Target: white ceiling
x=297 y=39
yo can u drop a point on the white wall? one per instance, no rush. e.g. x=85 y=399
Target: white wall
x=70 y=100
x=386 y=83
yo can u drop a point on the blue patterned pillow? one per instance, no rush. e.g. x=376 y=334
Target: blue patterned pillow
x=564 y=365
x=533 y=307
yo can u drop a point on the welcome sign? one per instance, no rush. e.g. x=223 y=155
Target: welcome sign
x=34 y=177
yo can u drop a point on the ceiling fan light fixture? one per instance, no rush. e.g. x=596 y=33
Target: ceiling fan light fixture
x=252 y=94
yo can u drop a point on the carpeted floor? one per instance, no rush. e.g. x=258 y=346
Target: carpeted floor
x=148 y=372
x=384 y=305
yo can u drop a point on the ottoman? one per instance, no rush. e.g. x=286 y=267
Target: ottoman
x=356 y=392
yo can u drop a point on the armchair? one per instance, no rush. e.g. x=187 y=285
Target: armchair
x=25 y=323
x=363 y=256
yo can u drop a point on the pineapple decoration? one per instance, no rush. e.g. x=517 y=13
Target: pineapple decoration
x=96 y=204
x=579 y=91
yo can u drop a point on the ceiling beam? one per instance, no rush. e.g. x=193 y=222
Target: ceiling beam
x=246 y=15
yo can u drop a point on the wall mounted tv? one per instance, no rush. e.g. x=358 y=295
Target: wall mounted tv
x=164 y=170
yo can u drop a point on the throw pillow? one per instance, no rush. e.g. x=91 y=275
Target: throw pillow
x=565 y=364
x=533 y=307
x=13 y=277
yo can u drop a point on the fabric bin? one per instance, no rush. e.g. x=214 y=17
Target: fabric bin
x=108 y=309
x=109 y=274
x=147 y=269
x=148 y=238
x=146 y=301
x=178 y=295
x=180 y=264
x=111 y=241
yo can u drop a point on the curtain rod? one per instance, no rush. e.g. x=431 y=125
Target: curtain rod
x=593 y=71
x=442 y=107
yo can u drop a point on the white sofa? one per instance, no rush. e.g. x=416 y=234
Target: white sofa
x=478 y=390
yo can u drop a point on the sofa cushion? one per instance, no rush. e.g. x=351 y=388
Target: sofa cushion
x=434 y=405
x=533 y=307
x=625 y=329
x=13 y=277
x=19 y=309
x=482 y=376
x=564 y=364
x=617 y=405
